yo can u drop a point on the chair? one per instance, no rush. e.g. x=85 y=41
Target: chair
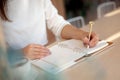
x=77 y=21
x=104 y=8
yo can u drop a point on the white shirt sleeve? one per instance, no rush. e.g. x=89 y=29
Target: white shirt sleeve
x=55 y=22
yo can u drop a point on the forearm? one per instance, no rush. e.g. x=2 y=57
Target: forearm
x=71 y=32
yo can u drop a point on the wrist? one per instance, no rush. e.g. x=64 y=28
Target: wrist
x=79 y=34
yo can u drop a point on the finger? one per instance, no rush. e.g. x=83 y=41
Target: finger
x=86 y=41
x=39 y=56
x=94 y=41
x=42 y=54
x=38 y=46
x=33 y=53
x=35 y=56
x=41 y=51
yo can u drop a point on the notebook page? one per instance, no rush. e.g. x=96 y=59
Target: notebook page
x=62 y=57
x=70 y=50
x=65 y=53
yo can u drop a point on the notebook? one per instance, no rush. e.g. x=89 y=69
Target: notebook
x=64 y=54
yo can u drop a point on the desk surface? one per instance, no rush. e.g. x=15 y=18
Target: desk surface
x=104 y=65
x=101 y=66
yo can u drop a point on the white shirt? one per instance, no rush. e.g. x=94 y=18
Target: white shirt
x=29 y=19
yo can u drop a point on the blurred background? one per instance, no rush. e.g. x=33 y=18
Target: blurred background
x=85 y=8
x=68 y=9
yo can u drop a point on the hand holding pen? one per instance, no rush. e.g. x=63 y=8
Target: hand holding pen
x=90 y=32
x=92 y=39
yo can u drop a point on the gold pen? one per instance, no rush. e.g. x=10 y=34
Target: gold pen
x=90 y=31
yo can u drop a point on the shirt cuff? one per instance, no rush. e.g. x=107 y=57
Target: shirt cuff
x=59 y=37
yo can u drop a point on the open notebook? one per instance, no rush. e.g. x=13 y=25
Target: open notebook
x=64 y=54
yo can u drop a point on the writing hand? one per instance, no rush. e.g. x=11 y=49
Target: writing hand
x=92 y=41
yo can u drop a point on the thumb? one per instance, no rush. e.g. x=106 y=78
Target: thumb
x=86 y=41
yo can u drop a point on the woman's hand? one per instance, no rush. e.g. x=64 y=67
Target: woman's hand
x=71 y=32
x=92 y=41
x=35 y=51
